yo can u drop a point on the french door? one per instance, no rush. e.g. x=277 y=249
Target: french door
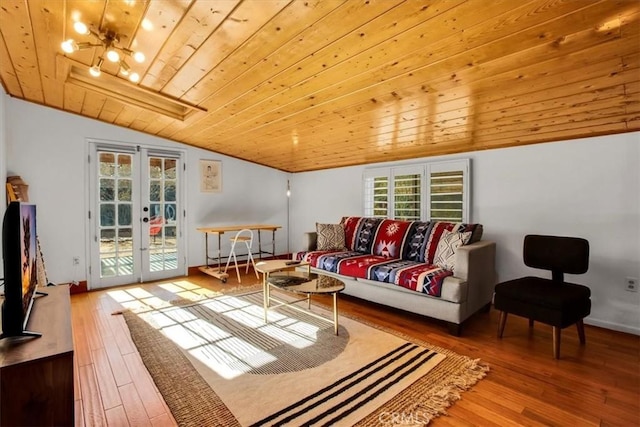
x=136 y=215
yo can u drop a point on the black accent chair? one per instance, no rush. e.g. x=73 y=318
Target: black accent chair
x=550 y=301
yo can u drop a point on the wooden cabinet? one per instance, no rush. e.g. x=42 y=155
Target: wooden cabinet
x=36 y=374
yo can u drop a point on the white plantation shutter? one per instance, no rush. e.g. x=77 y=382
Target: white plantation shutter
x=376 y=192
x=394 y=192
x=437 y=191
x=408 y=192
x=448 y=191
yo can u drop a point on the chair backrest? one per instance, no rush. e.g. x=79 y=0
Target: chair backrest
x=155 y=225
x=558 y=254
x=244 y=235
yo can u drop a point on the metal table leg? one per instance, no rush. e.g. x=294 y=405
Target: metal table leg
x=335 y=312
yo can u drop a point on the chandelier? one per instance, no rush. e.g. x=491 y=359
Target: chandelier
x=109 y=40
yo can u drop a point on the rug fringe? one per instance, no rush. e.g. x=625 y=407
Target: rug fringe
x=415 y=407
x=450 y=392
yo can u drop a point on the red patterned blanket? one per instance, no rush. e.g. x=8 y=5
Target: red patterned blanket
x=414 y=275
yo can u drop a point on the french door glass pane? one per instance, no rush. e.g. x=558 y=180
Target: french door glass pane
x=124 y=190
x=124 y=214
x=163 y=214
x=116 y=237
x=106 y=189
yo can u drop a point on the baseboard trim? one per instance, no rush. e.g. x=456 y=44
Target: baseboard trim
x=613 y=326
x=196 y=269
x=193 y=270
x=78 y=288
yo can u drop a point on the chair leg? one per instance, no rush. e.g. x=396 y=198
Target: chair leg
x=246 y=269
x=556 y=342
x=253 y=263
x=580 y=326
x=503 y=321
x=235 y=261
x=226 y=267
x=248 y=244
x=232 y=253
x=530 y=323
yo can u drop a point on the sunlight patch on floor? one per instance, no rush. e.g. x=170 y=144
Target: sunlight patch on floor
x=286 y=329
x=216 y=347
x=186 y=290
x=139 y=299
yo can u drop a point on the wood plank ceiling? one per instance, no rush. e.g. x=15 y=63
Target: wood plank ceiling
x=316 y=84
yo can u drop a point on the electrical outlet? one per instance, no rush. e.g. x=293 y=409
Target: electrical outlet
x=632 y=284
x=76 y=260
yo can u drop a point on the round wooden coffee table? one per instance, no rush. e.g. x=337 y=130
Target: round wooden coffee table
x=307 y=284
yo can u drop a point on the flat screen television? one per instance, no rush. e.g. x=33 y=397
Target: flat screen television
x=19 y=249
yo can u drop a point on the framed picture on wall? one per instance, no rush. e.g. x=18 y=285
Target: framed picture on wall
x=210 y=176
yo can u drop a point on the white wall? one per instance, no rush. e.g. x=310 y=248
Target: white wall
x=588 y=188
x=48 y=149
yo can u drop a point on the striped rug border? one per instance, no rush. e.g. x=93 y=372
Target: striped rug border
x=375 y=373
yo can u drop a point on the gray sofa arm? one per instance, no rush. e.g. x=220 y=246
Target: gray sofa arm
x=310 y=241
x=476 y=263
x=474 y=259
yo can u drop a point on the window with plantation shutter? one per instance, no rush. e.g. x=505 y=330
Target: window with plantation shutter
x=448 y=191
x=376 y=194
x=396 y=192
x=407 y=196
x=437 y=191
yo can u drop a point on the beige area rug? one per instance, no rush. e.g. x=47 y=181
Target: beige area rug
x=217 y=363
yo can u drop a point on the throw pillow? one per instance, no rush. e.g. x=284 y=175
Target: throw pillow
x=446 y=251
x=330 y=237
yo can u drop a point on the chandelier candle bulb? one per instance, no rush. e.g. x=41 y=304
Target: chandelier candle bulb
x=69 y=46
x=80 y=27
x=95 y=70
x=113 y=55
x=138 y=56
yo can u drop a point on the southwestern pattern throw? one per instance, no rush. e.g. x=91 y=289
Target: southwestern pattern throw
x=401 y=253
x=390 y=238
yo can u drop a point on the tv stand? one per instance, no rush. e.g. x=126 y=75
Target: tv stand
x=22 y=334
x=36 y=375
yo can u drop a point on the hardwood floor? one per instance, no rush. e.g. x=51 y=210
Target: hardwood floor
x=596 y=384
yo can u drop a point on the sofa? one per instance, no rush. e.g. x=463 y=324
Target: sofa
x=442 y=270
